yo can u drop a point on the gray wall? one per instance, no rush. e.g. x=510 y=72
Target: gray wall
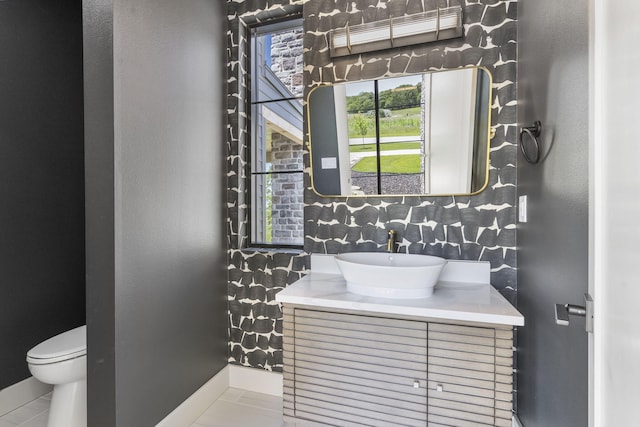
x=324 y=128
x=553 y=244
x=155 y=183
x=41 y=177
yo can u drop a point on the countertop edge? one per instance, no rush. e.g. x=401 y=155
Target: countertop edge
x=387 y=307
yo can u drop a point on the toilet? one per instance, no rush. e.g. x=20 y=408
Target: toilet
x=62 y=362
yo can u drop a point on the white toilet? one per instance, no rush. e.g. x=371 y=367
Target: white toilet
x=62 y=362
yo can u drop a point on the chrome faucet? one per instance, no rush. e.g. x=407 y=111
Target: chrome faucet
x=391 y=241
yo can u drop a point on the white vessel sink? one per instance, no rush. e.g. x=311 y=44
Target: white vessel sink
x=390 y=275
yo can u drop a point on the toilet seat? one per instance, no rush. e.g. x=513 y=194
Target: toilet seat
x=65 y=346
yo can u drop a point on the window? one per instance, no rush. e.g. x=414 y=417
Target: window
x=276 y=160
x=386 y=136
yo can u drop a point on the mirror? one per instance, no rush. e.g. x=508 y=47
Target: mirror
x=415 y=134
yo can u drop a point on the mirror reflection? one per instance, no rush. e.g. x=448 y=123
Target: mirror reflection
x=416 y=134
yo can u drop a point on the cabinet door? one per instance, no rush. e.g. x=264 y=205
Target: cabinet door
x=343 y=369
x=470 y=375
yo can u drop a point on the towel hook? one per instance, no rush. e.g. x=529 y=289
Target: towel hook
x=533 y=132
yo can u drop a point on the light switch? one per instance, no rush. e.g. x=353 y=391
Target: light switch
x=522 y=209
x=329 y=162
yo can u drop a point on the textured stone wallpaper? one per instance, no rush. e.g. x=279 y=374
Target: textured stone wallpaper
x=255 y=276
x=480 y=227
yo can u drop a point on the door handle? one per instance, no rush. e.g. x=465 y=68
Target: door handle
x=563 y=311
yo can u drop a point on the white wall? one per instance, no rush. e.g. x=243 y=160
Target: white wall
x=451 y=131
x=615 y=179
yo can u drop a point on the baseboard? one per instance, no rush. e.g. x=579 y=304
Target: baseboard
x=14 y=396
x=230 y=376
x=195 y=405
x=516 y=421
x=254 y=379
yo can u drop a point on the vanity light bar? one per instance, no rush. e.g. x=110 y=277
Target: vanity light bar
x=439 y=24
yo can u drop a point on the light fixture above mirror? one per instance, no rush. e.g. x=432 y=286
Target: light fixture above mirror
x=429 y=26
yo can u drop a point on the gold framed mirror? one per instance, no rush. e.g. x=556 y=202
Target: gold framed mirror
x=419 y=134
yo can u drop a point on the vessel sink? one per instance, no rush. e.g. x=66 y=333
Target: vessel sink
x=389 y=275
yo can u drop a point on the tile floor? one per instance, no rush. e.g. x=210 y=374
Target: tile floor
x=241 y=408
x=235 y=408
x=33 y=414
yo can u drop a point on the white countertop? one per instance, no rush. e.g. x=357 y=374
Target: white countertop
x=451 y=300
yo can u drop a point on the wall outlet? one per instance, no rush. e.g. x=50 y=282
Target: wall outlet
x=522 y=209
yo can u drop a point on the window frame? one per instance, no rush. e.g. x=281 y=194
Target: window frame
x=252 y=30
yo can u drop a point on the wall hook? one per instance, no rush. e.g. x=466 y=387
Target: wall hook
x=532 y=156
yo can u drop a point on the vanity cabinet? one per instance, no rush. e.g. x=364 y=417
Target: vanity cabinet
x=346 y=368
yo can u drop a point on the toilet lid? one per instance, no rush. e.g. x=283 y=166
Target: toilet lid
x=67 y=345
